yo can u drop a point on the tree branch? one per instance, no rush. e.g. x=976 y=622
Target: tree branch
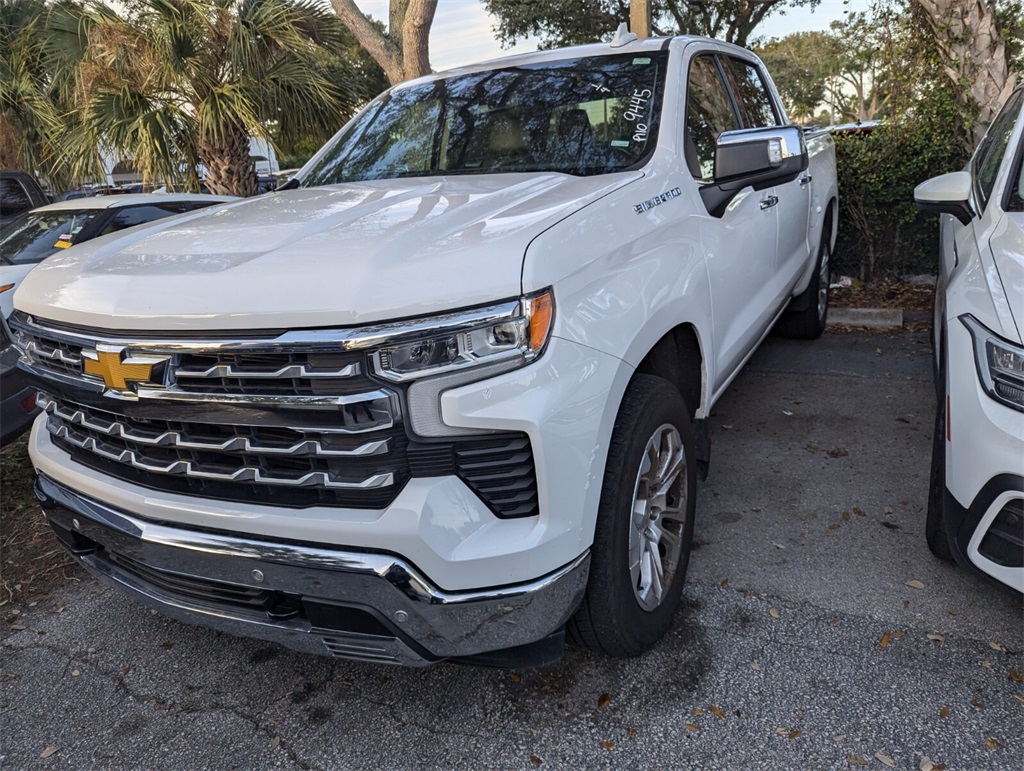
x=382 y=47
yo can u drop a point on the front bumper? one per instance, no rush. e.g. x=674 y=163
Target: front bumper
x=322 y=600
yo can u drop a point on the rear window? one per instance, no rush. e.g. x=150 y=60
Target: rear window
x=582 y=116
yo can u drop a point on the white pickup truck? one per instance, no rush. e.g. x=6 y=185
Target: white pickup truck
x=444 y=398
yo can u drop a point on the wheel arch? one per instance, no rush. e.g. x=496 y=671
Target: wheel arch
x=678 y=358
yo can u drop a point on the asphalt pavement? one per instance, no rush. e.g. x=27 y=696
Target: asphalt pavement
x=817 y=631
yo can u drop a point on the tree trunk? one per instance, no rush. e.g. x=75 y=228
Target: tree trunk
x=229 y=169
x=973 y=53
x=403 y=51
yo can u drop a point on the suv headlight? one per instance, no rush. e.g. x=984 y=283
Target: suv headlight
x=1000 y=364
x=513 y=333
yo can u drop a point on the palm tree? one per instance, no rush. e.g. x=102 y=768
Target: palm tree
x=36 y=66
x=174 y=82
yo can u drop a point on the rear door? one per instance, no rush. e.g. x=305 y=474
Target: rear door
x=739 y=247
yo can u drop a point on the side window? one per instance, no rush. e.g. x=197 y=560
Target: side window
x=989 y=155
x=708 y=113
x=12 y=198
x=130 y=216
x=752 y=95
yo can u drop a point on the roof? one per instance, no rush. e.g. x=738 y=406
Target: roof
x=643 y=45
x=130 y=199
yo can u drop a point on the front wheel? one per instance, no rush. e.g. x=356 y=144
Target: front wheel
x=644 y=524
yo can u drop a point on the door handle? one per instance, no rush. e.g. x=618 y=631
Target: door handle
x=769 y=202
x=805 y=180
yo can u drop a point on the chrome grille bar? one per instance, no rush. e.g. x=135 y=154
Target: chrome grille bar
x=289 y=371
x=191 y=469
x=178 y=440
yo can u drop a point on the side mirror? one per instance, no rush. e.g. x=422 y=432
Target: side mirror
x=948 y=194
x=757 y=158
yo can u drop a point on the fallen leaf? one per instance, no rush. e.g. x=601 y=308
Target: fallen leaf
x=926 y=764
x=717 y=711
x=915 y=584
x=884 y=759
x=17 y=627
x=691 y=727
x=884 y=642
x=856 y=760
x=838 y=452
x=888 y=509
x=996 y=647
x=167 y=645
x=535 y=760
x=987 y=664
x=859 y=512
x=846 y=516
x=697 y=712
x=977 y=704
x=275 y=742
x=937 y=638
x=834 y=526
x=786 y=412
x=794 y=734
x=898 y=634
x=944 y=712
x=778 y=545
x=839 y=738
x=48 y=752
x=782 y=731
x=725 y=582
x=603 y=699
x=1018 y=697
x=992 y=744
x=631 y=733
x=91 y=650
x=834 y=622
x=1014 y=675
x=755 y=666
x=726 y=427
x=906 y=604
x=746 y=594
x=951 y=613
x=774 y=613
x=608 y=745
x=514 y=677
x=75 y=673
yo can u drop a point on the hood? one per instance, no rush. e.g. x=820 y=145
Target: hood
x=1007 y=244
x=333 y=256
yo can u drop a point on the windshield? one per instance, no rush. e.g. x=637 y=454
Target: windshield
x=580 y=116
x=34 y=237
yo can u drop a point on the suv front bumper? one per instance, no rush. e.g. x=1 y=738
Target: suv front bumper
x=322 y=600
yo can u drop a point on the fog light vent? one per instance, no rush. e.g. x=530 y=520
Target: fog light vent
x=1004 y=541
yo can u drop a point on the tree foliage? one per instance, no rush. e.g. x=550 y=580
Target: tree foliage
x=571 y=22
x=176 y=82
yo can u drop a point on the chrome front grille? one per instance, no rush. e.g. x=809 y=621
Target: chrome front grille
x=292 y=420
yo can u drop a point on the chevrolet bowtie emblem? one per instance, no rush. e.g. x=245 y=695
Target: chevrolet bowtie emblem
x=116 y=369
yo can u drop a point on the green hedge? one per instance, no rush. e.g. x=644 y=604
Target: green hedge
x=881 y=231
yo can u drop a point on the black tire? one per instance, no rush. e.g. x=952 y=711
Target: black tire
x=808 y=322
x=935 y=520
x=611 y=619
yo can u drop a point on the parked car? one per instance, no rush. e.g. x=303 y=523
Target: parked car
x=19 y=192
x=445 y=395
x=46 y=231
x=976 y=504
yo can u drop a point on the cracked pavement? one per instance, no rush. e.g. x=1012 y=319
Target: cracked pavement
x=800 y=643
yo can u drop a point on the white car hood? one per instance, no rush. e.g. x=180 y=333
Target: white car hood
x=1007 y=245
x=333 y=256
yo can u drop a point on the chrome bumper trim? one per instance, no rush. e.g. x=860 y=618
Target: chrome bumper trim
x=430 y=623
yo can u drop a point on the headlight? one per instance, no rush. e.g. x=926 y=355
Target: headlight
x=515 y=332
x=1000 y=364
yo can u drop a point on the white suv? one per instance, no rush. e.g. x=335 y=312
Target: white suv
x=976 y=502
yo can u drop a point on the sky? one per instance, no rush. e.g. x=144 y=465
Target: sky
x=461 y=33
